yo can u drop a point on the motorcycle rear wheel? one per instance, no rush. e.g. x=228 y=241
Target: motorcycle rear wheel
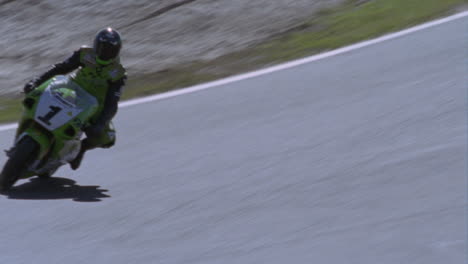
x=18 y=162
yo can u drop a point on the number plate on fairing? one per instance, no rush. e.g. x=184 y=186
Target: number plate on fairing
x=53 y=112
x=61 y=102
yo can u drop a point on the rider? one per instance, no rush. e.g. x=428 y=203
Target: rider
x=101 y=74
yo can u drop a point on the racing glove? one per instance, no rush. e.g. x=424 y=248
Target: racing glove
x=30 y=86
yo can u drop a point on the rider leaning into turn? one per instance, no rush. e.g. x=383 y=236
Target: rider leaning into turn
x=101 y=74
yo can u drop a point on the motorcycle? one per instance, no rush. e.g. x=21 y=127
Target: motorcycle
x=50 y=130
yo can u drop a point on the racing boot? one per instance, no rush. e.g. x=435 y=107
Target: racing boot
x=75 y=164
x=8 y=152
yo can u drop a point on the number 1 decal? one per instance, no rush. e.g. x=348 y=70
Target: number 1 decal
x=54 y=110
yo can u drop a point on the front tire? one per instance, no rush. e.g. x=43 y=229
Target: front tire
x=18 y=162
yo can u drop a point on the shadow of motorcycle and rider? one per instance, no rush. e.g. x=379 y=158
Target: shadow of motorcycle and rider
x=55 y=188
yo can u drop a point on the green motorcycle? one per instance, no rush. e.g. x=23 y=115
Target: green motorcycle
x=50 y=130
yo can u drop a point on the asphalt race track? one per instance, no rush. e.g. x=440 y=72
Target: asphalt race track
x=357 y=158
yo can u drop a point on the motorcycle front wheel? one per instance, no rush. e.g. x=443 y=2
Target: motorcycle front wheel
x=24 y=153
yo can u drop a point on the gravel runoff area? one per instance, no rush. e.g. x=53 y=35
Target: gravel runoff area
x=157 y=34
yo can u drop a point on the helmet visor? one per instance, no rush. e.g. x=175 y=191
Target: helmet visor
x=107 y=51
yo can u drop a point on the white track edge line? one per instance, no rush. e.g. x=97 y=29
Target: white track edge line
x=282 y=66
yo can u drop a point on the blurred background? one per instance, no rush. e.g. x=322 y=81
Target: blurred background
x=157 y=34
x=172 y=44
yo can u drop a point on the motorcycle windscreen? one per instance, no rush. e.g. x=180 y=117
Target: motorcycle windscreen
x=60 y=103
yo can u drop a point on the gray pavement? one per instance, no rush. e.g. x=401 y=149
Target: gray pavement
x=358 y=158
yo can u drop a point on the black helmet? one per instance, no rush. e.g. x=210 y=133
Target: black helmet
x=107 y=45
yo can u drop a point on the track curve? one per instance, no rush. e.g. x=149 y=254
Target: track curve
x=358 y=158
